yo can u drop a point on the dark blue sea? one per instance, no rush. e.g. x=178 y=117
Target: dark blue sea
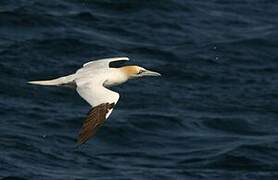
x=212 y=115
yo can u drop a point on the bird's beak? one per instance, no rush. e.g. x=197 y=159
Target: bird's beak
x=150 y=73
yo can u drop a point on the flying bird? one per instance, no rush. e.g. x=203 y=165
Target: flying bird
x=92 y=82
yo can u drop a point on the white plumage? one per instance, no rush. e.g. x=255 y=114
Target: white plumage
x=92 y=82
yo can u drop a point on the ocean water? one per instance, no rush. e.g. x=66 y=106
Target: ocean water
x=212 y=115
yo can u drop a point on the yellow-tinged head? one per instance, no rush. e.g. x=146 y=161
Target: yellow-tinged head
x=137 y=71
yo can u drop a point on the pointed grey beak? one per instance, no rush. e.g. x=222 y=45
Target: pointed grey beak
x=150 y=73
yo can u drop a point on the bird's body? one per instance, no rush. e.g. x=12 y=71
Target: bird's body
x=92 y=82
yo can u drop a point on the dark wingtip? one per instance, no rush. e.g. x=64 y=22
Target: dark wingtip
x=94 y=120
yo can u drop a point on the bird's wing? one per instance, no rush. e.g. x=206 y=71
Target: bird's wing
x=102 y=101
x=94 y=120
x=103 y=63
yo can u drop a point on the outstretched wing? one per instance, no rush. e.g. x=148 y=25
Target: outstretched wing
x=102 y=101
x=94 y=120
x=98 y=65
x=103 y=63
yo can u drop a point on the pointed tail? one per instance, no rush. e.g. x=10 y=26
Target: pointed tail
x=55 y=82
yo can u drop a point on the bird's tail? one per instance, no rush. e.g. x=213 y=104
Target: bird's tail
x=55 y=82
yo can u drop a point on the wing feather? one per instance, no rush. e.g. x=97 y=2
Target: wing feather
x=97 y=66
x=94 y=120
x=103 y=63
x=102 y=101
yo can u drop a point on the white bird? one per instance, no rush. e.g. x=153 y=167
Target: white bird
x=91 y=82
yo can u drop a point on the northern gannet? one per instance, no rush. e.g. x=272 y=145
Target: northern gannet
x=92 y=82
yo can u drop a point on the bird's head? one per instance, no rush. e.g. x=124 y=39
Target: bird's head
x=137 y=71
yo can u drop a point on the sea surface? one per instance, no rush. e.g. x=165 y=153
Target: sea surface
x=212 y=115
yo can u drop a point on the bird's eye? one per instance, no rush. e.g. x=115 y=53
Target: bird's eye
x=140 y=71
